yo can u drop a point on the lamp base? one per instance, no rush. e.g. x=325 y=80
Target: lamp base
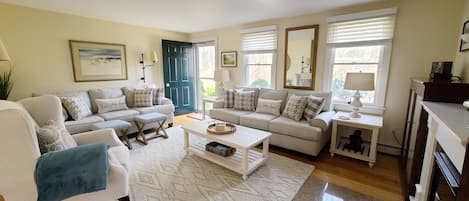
x=357 y=104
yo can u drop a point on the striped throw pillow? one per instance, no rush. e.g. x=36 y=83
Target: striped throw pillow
x=314 y=105
x=158 y=94
x=143 y=98
x=229 y=98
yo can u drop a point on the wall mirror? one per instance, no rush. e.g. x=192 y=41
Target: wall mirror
x=301 y=44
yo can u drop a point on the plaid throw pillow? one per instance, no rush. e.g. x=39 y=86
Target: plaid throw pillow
x=313 y=107
x=158 y=94
x=229 y=98
x=295 y=107
x=143 y=98
x=244 y=100
x=76 y=107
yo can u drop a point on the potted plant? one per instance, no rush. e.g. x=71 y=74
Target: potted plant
x=5 y=85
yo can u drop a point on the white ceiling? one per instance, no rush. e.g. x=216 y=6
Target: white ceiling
x=186 y=15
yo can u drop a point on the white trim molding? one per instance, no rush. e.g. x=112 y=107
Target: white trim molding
x=259 y=29
x=363 y=15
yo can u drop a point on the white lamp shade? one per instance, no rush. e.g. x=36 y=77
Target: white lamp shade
x=360 y=81
x=222 y=75
x=3 y=53
x=154 y=57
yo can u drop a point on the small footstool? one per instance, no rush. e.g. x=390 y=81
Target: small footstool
x=117 y=125
x=144 y=119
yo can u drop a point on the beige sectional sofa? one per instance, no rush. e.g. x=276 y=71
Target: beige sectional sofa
x=287 y=133
x=91 y=95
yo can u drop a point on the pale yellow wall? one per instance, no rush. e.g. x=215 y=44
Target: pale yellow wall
x=461 y=64
x=37 y=42
x=426 y=31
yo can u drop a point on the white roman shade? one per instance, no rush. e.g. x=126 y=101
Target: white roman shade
x=262 y=38
x=368 y=26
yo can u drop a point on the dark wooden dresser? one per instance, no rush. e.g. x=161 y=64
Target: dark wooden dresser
x=413 y=141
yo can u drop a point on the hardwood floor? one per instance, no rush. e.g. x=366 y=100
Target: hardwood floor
x=382 y=181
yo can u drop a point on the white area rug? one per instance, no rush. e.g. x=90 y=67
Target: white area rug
x=161 y=171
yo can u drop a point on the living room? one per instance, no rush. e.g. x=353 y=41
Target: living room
x=336 y=100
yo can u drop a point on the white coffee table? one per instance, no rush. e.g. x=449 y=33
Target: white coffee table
x=244 y=161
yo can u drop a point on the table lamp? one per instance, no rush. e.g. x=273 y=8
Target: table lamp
x=221 y=76
x=359 y=82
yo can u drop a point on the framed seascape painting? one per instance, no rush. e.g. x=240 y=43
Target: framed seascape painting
x=229 y=59
x=94 y=61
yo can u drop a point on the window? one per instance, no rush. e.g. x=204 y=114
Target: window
x=205 y=56
x=259 y=46
x=360 y=42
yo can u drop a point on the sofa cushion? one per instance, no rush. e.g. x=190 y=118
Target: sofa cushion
x=313 y=107
x=274 y=94
x=162 y=109
x=82 y=125
x=256 y=90
x=300 y=129
x=53 y=137
x=129 y=95
x=102 y=94
x=227 y=114
x=326 y=95
x=158 y=95
x=257 y=120
x=126 y=115
x=268 y=106
x=229 y=98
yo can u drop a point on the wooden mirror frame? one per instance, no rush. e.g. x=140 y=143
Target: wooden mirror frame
x=313 y=56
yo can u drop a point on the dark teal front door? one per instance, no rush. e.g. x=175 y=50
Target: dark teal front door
x=179 y=75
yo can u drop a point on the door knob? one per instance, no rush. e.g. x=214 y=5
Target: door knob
x=167 y=84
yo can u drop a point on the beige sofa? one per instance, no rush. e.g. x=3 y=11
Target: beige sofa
x=20 y=150
x=287 y=133
x=83 y=125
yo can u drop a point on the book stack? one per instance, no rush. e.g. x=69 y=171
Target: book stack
x=220 y=149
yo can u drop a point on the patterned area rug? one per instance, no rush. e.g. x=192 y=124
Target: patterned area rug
x=161 y=171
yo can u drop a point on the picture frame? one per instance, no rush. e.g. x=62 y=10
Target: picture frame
x=229 y=59
x=97 y=61
x=464 y=46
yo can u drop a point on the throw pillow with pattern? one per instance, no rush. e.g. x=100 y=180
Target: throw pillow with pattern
x=143 y=98
x=76 y=107
x=52 y=137
x=245 y=100
x=158 y=95
x=268 y=106
x=229 y=98
x=111 y=104
x=314 y=105
x=295 y=107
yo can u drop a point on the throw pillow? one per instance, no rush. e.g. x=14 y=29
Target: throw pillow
x=158 y=95
x=295 y=107
x=143 y=98
x=76 y=107
x=229 y=98
x=129 y=95
x=52 y=137
x=269 y=106
x=111 y=104
x=314 y=105
x=245 y=100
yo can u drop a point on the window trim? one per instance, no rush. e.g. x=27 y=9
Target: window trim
x=383 y=66
x=273 y=71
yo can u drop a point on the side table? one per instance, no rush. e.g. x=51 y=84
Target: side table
x=367 y=122
x=209 y=100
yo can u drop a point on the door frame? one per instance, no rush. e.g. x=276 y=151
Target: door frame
x=198 y=94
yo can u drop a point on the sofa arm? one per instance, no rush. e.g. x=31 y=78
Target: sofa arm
x=167 y=101
x=104 y=135
x=219 y=104
x=323 y=120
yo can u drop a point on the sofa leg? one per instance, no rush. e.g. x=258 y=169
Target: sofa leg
x=126 y=198
x=170 y=125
